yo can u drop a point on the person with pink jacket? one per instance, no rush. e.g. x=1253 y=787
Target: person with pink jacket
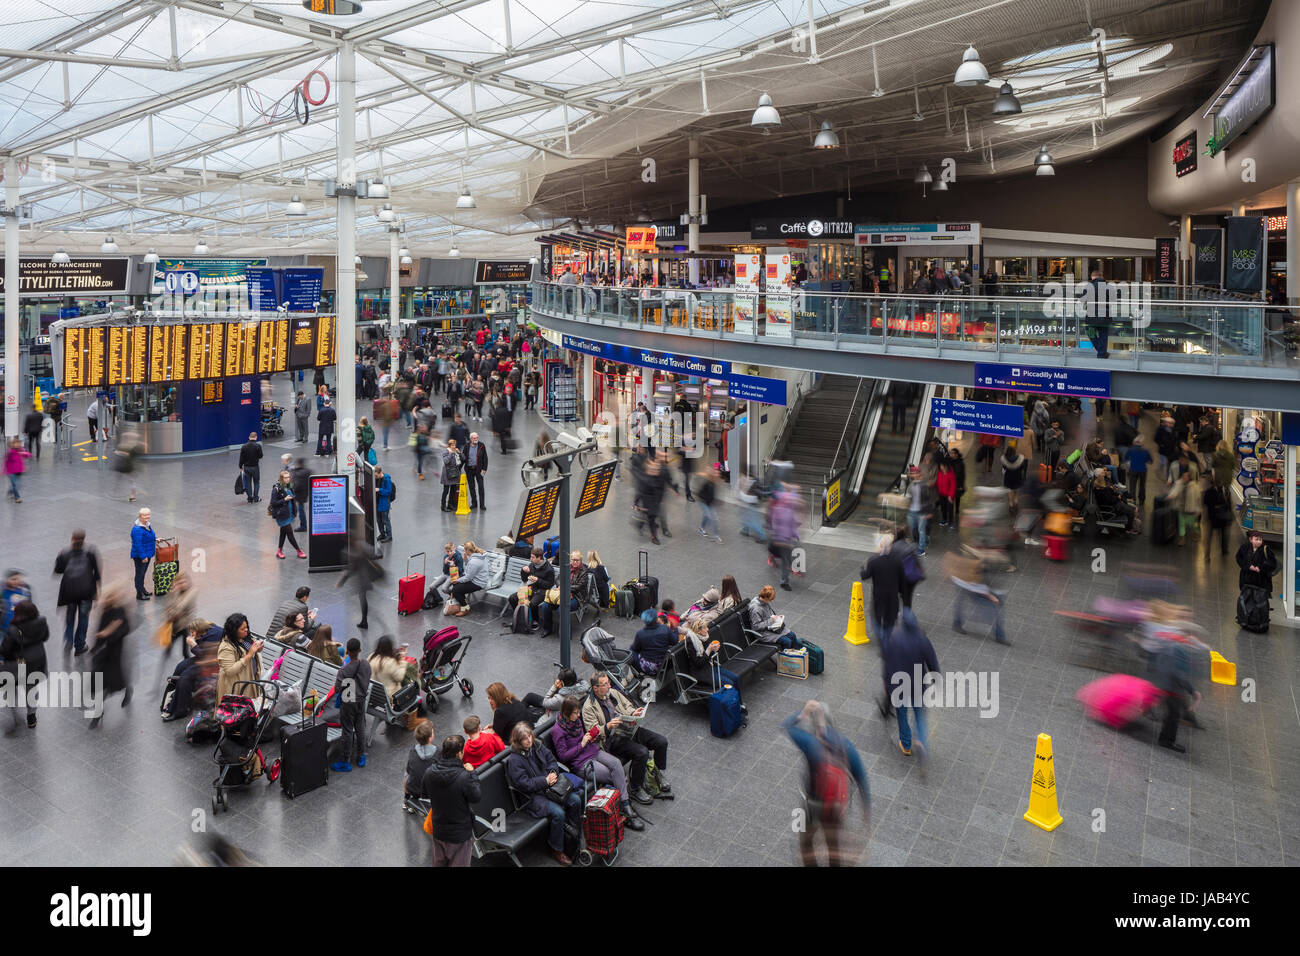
x=15 y=465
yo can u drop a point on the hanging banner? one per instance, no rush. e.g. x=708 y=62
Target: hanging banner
x=1166 y=260
x=778 y=317
x=1207 y=256
x=642 y=239
x=777 y=276
x=744 y=308
x=1244 y=259
x=748 y=271
x=41 y=277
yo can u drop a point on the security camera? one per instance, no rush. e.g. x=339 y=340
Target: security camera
x=573 y=441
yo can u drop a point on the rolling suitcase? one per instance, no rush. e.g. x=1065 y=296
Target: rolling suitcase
x=447 y=413
x=644 y=587
x=410 y=589
x=1164 y=523
x=725 y=713
x=624 y=603
x=304 y=758
x=1044 y=473
x=551 y=547
x=602 y=824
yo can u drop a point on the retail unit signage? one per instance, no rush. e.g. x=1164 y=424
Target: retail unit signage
x=502 y=271
x=41 y=277
x=985 y=418
x=1166 y=258
x=754 y=388
x=668 y=230
x=641 y=239
x=902 y=234
x=1185 y=154
x=1243 y=259
x=1082 y=382
x=800 y=229
x=1248 y=102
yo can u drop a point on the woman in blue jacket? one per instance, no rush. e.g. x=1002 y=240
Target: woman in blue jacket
x=531 y=769
x=142 y=551
x=282 y=505
x=383 y=503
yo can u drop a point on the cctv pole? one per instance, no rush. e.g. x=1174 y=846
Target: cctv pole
x=345 y=401
x=13 y=378
x=565 y=465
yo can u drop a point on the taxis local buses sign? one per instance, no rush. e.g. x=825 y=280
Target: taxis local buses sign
x=642 y=239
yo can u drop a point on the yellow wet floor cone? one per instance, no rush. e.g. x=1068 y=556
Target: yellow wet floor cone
x=462 y=497
x=856 y=630
x=1043 y=811
x=37 y=400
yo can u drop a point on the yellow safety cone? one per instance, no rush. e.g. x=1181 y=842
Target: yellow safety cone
x=856 y=630
x=1043 y=811
x=462 y=497
x=36 y=399
x=1222 y=670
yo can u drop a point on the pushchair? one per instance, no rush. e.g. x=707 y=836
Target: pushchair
x=271 y=415
x=242 y=725
x=444 y=650
x=599 y=651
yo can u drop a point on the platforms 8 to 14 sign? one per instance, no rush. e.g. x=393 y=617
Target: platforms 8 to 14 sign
x=986 y=418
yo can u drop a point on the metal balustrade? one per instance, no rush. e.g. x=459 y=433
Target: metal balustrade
x=1199 y=336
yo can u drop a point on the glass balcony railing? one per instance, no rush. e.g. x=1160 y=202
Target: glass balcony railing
x=1145 y=331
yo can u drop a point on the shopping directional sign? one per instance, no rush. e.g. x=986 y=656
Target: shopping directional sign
x=1082 y=382
x=986 y=418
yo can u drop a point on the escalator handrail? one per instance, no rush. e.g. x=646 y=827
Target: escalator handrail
x=870 y=425
x=848 y=418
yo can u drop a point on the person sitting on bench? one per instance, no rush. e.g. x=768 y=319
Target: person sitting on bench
x=1110 y=501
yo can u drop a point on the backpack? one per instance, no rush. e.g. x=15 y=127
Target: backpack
x=392 y=491
x=202 y=728
x=913 y=570
x=654 y=780
x=830 y=788
x=520 y=623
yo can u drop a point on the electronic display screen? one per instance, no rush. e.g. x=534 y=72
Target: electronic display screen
x=128 y=355
x=214 y=392
x=83 y=358
x=272 y=346
x=302 y=342
x=595 y=488
x=167 y=353
x=539 y=509
x=326 y=340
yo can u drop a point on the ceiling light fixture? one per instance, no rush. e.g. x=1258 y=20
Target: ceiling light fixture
x=971 y=72
x=1006 y=104
x=386 y=214
x=453 y=251
x=1044 y=164
x=296 y=207
x=765 y=116
x=466 y=200
x=922 y=175
x=151 y=257
x=60 y=258
x=941 y=186
x=200 y=248
x=827 y=138
x=109 y=247
x=377 y=189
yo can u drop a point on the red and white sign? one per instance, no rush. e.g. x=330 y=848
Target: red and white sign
x=748 y=270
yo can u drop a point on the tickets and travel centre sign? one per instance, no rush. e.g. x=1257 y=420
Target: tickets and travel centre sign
x=749 y=388
x=41 y=277
x=909 y=233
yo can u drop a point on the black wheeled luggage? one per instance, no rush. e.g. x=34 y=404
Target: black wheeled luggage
x=304 y=758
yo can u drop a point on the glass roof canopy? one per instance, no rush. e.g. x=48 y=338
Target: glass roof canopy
x=161 y=122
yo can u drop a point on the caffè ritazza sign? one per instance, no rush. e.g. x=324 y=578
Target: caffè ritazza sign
x=800 y=229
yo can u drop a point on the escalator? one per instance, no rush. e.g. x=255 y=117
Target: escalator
x=826 y=417
x=879 y=455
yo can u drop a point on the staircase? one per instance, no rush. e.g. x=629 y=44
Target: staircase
x=885 y=462
x=811 y=440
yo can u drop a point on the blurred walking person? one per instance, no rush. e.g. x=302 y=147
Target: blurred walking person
x=783 y=525
x=15 y=464
x=834 y=768
x=110 y=641
x=909 y=656
x=79 y=566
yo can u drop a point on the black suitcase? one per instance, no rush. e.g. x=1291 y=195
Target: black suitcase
x=304 y=758
x=643 y=575
x=447 y=413
x=1252 y=609
x=1164 y=524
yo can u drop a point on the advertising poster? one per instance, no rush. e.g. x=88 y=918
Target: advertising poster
x=329 y=505
x=1244 y=259
x=744 y=308
x=778 y=317
x=1207 y=256
x=748 y=272
x=777 y=262
x=1165 y=260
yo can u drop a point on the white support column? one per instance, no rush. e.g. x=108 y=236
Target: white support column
x=753 y=412
x=693 y=208
x=1293 y=243
x=346 y=278
x=588 y=387
x=394 y=300
x=1239 y=207
x=13 y=309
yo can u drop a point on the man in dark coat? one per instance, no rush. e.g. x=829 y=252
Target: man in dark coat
x=250 y=463
x=452 y=791
x=325 y=419
x=78 y=588
x=476 y=465
x=885 y=572
x=908 y=657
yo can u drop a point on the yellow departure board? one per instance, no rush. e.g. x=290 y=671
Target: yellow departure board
x=539 y=509
x=83 y=358
x=166 y=353
x=214 y=392
x=196 y=353
x=595 y=488
x=247 y=348
x=232 y=352
x=273 y=346
x=326 y=341
x=128 y=351
x=302 y=342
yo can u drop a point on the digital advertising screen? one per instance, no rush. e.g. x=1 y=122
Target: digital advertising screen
x=539 y=509
x=329 y=505
x=595 y=488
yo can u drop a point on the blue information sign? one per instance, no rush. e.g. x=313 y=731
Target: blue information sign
x=752 y=388
x=986 y=418
x=1083 y=382
x=1291 y=429
x=262 y=293
x=302 y=288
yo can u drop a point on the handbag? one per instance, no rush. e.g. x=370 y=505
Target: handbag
x=164 y=634
x=553 y=596
x=523 y=593
x=371 y=457
x=560 y=790
x=428 y=822
x=164 y=551
x=239 y=482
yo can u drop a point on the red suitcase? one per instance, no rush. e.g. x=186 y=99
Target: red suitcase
x=410 y=589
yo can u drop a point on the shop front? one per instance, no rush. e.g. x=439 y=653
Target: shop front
x=901 y=253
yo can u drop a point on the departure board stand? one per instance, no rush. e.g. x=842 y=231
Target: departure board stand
x=563 y=460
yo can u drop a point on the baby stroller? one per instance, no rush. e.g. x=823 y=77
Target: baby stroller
x=599 y=651
x=242 y=725
x=444 y=650
x=271 y=427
